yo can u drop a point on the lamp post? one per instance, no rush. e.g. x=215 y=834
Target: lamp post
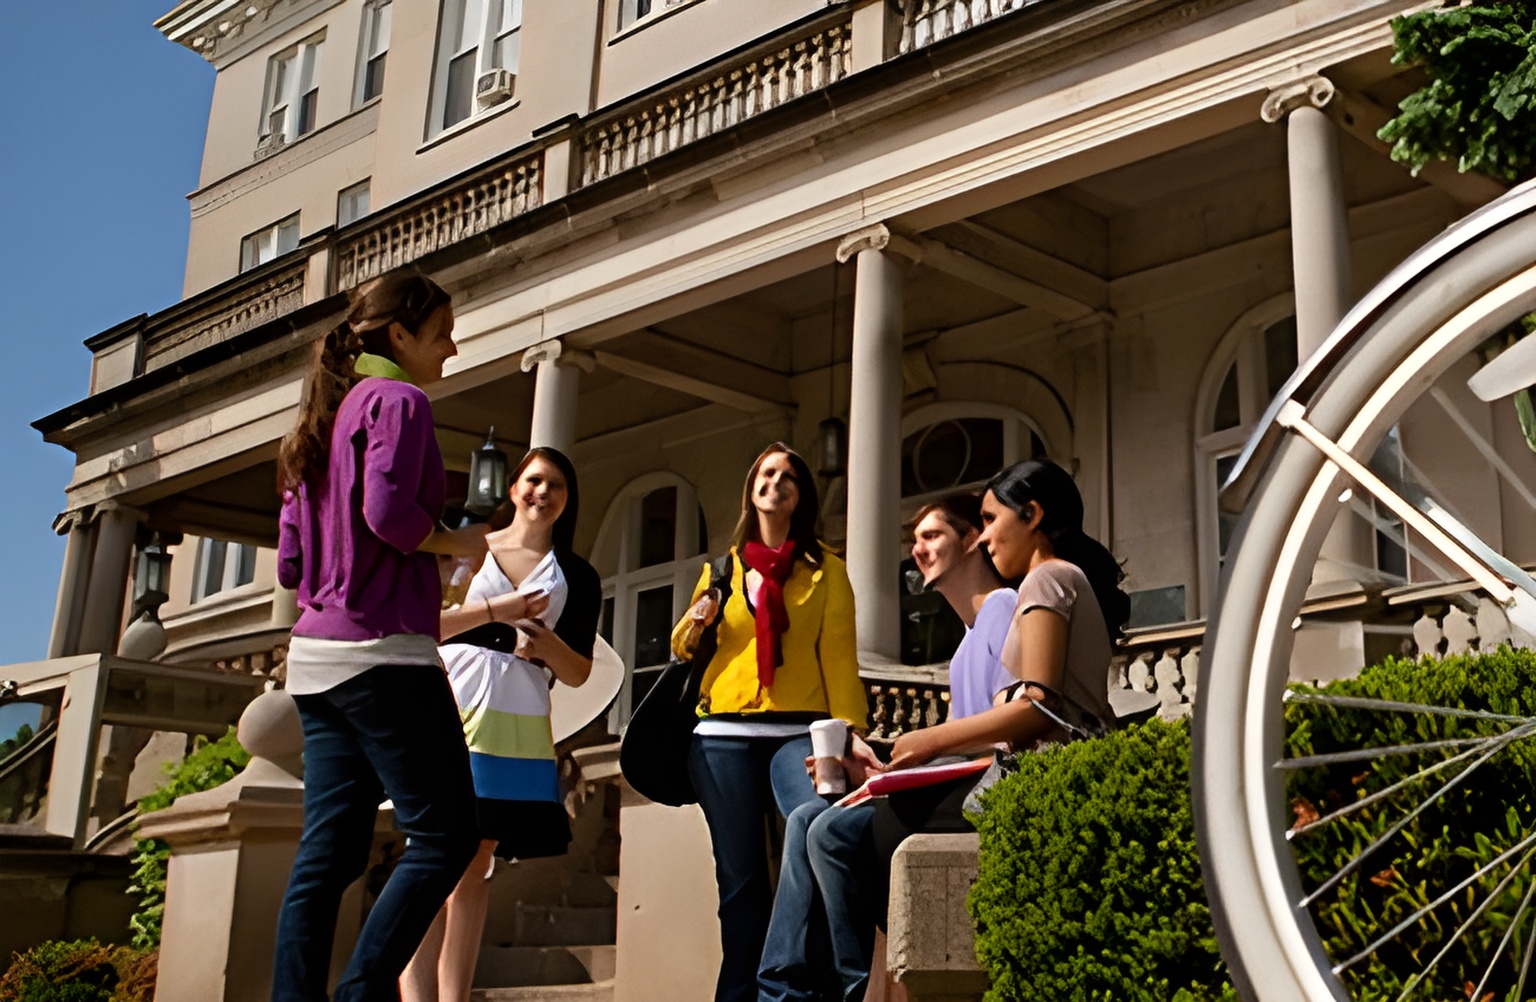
x=145 y=637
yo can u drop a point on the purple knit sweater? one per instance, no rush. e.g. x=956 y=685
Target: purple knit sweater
x=348 y=543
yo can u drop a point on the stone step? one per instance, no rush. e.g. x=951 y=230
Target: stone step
x=518 y=966
x=600 y=992
x=558 y=925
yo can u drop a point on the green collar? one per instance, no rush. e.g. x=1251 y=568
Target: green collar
x=378 y=365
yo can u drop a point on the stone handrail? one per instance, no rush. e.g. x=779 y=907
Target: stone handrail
x=927 y=21
x=485 y=199
x=903 y=698
x=263 y=296
x=642 y=130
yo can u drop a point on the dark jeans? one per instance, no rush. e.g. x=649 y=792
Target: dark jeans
x=393 y=730
x=821 y=936
x=741 y=783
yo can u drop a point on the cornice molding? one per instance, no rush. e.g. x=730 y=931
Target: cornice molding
x=222 y=30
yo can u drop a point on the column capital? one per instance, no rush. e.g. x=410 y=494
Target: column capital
x=554 y=351
x=876 y=237
x=1314 y=91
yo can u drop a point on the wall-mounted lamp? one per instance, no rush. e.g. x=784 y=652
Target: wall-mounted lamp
x=487 y=477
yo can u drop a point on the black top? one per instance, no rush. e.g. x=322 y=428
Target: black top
x=577 y=625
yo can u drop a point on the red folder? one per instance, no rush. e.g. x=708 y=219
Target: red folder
x=885 y=783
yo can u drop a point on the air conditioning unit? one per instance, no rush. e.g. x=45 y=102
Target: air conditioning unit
x=495 y=87
x=268 y=145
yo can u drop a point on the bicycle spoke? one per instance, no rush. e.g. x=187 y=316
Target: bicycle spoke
x=1392 y=751
x=1451 y=784
x=1525 y=964
x=1442 y=899
x=1509 y=934
x=1367 y=703
x=1455 y=936
x=1379 y=794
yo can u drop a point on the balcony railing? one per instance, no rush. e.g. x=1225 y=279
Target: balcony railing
x=249 y=302
x=644 y=130
x=927 y=21
x=485 y=199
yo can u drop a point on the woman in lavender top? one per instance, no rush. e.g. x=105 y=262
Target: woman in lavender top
x=363 y=488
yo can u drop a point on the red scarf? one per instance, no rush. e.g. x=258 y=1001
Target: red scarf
x=772 y=618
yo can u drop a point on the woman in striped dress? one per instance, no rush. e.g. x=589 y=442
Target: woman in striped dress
x=501 y=667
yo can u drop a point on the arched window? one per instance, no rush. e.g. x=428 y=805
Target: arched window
x=1251 y=362
x=648 y=552
x=947 y=448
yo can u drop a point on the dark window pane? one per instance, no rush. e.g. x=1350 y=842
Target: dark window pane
x=951 y=453
x=308 y=108
x=1226 y=522
x=245 y=565
x=605 y=621
x=1279 y=355
x=658 y=527
x=703 y=533
x=275 y=121
x=653 y=627
x=373 y=77
x=213 y=565
x=459 y=101
x=1229 y=412
x=930 y=629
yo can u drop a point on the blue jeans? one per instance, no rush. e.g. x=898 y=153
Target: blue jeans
x=822 y=933
x=740 y=783
x=393 y=730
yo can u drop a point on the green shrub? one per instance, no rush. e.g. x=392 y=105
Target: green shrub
x=1090 y=882
x=1491 y=810
x=79 y=971
x=211 y=765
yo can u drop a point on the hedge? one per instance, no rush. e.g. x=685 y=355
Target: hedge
x=1090 y=882
x=79 y=971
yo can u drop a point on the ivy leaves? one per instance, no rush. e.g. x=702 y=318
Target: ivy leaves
x=1479 y=107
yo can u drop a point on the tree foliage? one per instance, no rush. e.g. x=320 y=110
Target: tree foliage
x=1479 y=107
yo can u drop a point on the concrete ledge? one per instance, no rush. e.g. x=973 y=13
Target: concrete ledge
x=931 y=949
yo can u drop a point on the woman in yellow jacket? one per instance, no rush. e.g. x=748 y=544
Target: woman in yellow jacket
x=785 y=656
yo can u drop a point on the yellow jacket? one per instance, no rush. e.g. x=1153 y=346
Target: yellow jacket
x=820 y=673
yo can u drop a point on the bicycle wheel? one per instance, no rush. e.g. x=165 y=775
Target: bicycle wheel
x=1407 y=335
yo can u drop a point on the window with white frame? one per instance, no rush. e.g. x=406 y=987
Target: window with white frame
x=292 y=103
x=1249 y=366
x=372 y=50
x=479 y=43
x=352 y=203
x=649 y=552
x=270 y=242
x=631 y=11
x=221 y=566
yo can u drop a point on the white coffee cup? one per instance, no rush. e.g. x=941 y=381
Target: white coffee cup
x=829 y=739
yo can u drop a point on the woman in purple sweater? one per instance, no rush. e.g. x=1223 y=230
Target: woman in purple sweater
x=363 y=489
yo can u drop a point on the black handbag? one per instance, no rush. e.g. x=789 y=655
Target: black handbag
x=653 y=753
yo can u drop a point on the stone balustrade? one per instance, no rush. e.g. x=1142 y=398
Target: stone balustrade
x=249 y=302
x=1454 y=619
x=643 y=130
x=927 y=21
x=464 y=209
x=903 y=698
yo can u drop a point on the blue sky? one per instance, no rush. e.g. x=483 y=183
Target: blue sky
x=104 y=122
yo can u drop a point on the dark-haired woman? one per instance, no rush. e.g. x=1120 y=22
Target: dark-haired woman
x=529 y=619
x=786 y=656
x=1069 y=610
x=363 y=489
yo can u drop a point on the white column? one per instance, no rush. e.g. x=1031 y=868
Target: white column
x=874 y=442
x=1320 y=260
x=107 y=593
x=69 y=609
x=557 y=379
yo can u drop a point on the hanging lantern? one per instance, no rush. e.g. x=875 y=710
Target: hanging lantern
x=487 y=477
x=832 y=448
x=152 y=572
